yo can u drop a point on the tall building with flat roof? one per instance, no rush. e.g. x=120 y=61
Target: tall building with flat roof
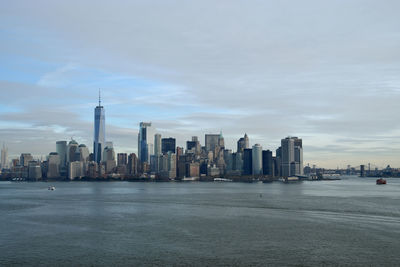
x=99 y=139
x=257 y=160
x=291 y=156
x=71 y=149
x=247 y=161
x=53 y=162
x=61 y=149
x=157 y=144
x=168 y=145
x=4 y=157
x=122 y=159
x=268 y=163
x=211 y=141
x=144 y=145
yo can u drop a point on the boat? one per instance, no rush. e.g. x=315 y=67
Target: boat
x=381 y=181
x=52 y=188
x=222 y=180
x=290 y=179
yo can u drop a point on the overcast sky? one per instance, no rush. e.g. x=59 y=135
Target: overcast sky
x=325 y=71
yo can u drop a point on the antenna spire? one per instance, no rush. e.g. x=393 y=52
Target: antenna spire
x=99 y=98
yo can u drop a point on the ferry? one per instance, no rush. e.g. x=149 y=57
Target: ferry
x=289 y=179
x=222 y=180
x=381 y=181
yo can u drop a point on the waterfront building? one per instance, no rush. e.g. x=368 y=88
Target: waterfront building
x=307 y=170
x=53 y=165
x=298 y=159
x=122 y=159
x=168 y=166
x=71 y=149
x=247 y=161
x=34 y=170
x=243 y=143
x=228 y=160
x=92 y=170
x=193 y=169
x=44 y=166
x=83 y=153
x=291 y=156
x=109 y=159
x=287 y=150
x=362 y=170
x=257 y=167
x=99 y=132
x=75 y=170
x=25 y=158
x=238 y=162
x=267 y=163
x=4 y=158
x=132 y=164
x=168 y=145
x=61 y=149
x=171 y=165
x=157 y=144
x=278 y=162
x=213 y=171
x=144 y=145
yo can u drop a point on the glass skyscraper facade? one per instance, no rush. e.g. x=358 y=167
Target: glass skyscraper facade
x=144 y=149
x=99 y=132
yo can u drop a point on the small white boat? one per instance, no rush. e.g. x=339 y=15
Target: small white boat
x=52 y=188
x=222 y=180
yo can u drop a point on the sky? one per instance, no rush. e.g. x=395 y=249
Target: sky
x=325 y=71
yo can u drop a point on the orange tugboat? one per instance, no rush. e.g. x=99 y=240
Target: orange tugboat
x=381 y=181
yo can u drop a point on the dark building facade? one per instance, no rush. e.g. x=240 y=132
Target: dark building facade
x=168 y=145
x=247 y=161
x=267 y=163
x=122 y=159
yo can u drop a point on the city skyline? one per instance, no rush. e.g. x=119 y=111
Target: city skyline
x=295 y=71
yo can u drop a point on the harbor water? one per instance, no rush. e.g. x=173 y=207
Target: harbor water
x=350 y=222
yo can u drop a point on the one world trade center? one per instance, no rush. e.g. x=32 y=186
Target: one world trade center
x=99 y=132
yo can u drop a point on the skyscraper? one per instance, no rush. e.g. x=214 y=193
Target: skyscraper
x=243 y=143
x=71 y=149
x=268 y=163
x=257 y=160
x=212 y=141
x=168 y=145
x=61 y=149
x=143 y=142
x=53 y=165
x=291 y=156
x=157 y=144
x=247 y=161
x=99 y=132
x=122 y=159
x=4 y=157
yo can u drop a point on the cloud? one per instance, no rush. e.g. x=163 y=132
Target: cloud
x=267 y=68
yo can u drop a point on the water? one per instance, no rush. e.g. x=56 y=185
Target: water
x=349 y=222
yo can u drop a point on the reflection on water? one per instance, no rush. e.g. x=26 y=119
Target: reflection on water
x=309 y=223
